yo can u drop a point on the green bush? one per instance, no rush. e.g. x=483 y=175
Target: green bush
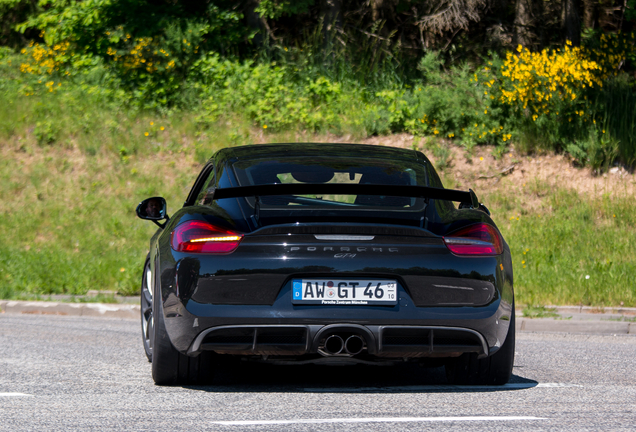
x=46 y=132
x=269 y=95
x=616 y=117
x=599 y=150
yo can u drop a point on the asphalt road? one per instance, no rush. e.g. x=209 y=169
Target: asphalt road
x=85 y=373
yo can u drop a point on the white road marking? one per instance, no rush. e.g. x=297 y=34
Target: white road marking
x=441 y=387
x=372 y=420
x=15 y=395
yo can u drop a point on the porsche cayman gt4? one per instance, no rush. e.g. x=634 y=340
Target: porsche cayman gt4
x=326 y=254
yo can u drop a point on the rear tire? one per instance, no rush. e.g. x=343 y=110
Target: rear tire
x=169 y=366
x=493 y=370
x=147 y=322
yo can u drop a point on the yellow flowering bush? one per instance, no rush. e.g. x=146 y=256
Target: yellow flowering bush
x=541 y=82
x=152 y=67
x=566 y=98
x=44 y=59
x=611 y=51
x=145 y=53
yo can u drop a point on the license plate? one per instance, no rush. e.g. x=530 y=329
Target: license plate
x=344 y=292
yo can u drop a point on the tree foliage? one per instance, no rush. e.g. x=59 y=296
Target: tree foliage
x=230 y=26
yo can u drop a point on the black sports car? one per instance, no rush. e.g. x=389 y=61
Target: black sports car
x=326 y=253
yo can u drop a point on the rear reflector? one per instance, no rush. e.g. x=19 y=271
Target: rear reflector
x=202 y=237
x=475 y=240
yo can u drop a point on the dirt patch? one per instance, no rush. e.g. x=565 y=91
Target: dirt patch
x=537 y=172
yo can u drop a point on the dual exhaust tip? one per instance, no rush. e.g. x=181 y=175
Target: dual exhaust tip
x=334 y=344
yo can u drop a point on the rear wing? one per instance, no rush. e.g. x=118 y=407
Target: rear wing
x=466 y=198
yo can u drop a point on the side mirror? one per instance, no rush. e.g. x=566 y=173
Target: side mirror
x=153 y=209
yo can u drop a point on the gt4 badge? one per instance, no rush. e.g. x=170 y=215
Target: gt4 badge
x=344 y=255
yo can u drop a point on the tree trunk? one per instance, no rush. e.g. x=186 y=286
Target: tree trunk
x=331 y=10
x=589 y=14
x=376 y=6
x=331 y=23
x=255 y=22
x=571 y=22
x=523 y=23
x=541 y=30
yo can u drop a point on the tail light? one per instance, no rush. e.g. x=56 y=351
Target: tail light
x=202 y=237
x=477 y=239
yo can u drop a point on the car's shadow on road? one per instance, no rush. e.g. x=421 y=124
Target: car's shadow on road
x=400 y=378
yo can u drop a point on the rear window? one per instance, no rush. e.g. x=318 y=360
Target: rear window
x=333 y=170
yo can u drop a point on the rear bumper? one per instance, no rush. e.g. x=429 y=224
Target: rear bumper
x=403 y=330
x=380 y=341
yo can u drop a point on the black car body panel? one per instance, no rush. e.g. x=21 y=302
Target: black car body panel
x=241 y=302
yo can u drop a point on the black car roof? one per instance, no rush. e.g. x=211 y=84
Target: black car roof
x=257 y=151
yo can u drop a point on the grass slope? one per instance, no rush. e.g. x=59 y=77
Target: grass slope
x=575 y=249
